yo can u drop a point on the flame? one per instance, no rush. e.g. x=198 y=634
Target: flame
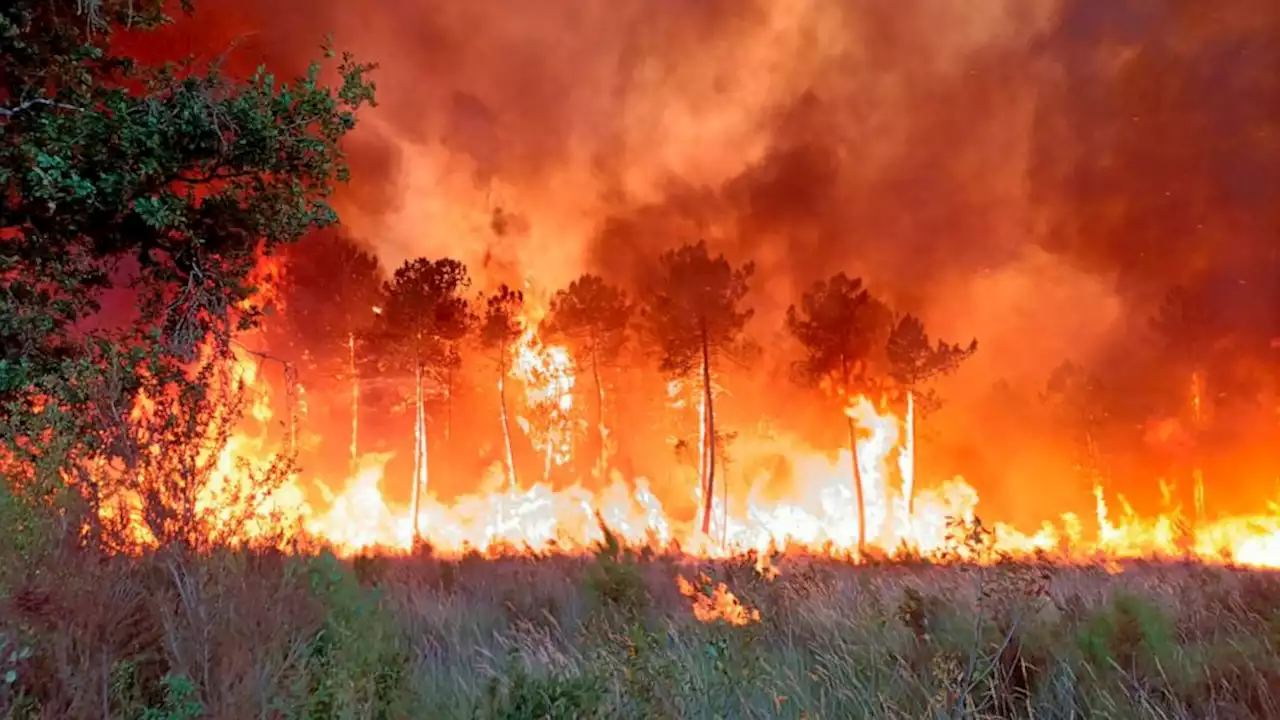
x=716 y=604
x=547 y=372
x=815 y=511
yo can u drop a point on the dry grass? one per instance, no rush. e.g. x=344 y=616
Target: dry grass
x=265 y=635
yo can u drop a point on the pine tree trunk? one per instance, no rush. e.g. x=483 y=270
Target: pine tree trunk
x=702 y=445
x=355 y=403
x=857 y=488
x=506 y=423
x=419 y=461
x=846 y=377
x=909 y=479
x=604 y=450
x=709 y=494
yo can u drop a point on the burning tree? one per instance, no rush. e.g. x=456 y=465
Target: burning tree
x=695 y=317
x=913 y=362
x=842 y=328
x=417 y=331
x=593 y=315
x=499 y=332
x=329 y=293
x=165 y=186
x=1190 y=335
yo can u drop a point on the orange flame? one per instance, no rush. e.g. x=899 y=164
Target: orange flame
x=716 y=604
x=816 y=511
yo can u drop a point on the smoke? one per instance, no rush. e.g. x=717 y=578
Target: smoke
x=1034 y=175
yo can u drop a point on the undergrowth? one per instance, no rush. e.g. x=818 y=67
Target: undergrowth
x=263 y=634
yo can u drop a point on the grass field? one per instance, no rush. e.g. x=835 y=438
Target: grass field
x=268 y=635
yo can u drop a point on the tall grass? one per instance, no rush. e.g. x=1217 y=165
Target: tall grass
x=263 y=634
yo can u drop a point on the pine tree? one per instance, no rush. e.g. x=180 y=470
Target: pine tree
x=425 y=316
x=841 y=327
x=695 y=317
x=593 y=316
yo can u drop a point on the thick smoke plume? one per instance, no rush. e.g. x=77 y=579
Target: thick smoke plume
x=1035 y=174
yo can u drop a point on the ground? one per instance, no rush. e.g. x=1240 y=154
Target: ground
x=269 y=634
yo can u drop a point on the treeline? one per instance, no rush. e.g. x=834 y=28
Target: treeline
x=688 y=319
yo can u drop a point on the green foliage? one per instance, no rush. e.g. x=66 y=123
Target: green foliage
x=180 y=701
x=1130 y=633
x=358 y=666
x=614 y=580
x=650 y=675
x=163 y=182
x=518 y=694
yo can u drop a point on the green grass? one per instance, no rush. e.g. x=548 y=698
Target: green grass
x=266 y=635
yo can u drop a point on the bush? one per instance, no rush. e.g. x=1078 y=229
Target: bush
x=614 y=580
x=521 y=695
x=358 y=665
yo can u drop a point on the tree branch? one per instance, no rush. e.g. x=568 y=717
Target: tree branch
x=10 y=112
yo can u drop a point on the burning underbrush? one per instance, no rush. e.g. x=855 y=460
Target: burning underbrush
x=809 y=510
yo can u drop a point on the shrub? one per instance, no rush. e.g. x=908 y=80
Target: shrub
x=521 y=695
x=614 y=580
x=358 y=666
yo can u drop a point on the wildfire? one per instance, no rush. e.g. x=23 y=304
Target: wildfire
x=715 y=603
x=547 y=374
x=815 y=512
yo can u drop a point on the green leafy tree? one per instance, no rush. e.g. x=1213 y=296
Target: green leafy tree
x=842 y=327
x=695 y=318
x=499 y=332
x=424 y=317
x=162 y=183
x=913 y=362
x=593 y=316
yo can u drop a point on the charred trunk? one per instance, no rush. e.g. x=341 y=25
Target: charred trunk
x=909 y=477
x=709 y=491
x=857 y=487
x=355 y=402
x=506 y=423
x=600 y=430
x=419 y=449
x=846 y=376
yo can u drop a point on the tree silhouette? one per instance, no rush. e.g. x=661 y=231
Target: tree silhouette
x=1077 y=398
x=694 y=318
x=424 y=317
x=499 y=332
x=330 y=292
x=842 y=328
x=912 y=363
x=593 y=316
x=1190 y=335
